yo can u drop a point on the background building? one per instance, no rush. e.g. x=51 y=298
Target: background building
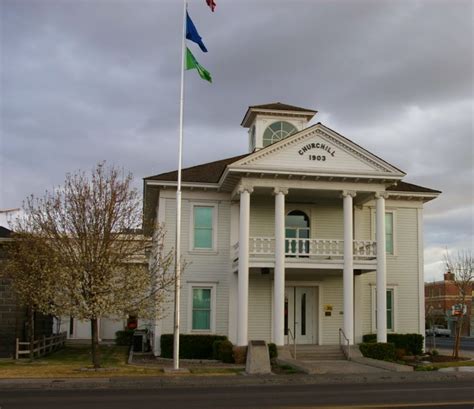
x=440 y=296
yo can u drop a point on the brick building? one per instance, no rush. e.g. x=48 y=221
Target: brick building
x=440 y=296
x=13 y=316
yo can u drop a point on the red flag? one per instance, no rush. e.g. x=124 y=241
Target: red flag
x=211 y=4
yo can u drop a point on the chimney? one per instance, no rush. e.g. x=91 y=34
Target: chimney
x=448 y=276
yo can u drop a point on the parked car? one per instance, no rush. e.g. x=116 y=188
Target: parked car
x=438 y=331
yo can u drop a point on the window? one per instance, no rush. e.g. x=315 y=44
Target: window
x=202 y=307
x=297 y=233
x=277 y=131
x=390 y=230
x=389 y=233
x=390 y=309
x=203 y=226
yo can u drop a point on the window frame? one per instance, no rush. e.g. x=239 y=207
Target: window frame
x=394 y=230
x=394 y=289
x=205 y=286
x=272 y=141
x=192 y=247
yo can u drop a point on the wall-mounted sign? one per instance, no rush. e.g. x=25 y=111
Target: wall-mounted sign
x=317 y=156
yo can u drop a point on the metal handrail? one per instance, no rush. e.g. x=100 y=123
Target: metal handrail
x=294 y=342
x=342 y=336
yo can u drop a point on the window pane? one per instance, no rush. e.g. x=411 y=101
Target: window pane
x=390 y=309
x=389 y=233
x=203 y=238
x=201 y=320
x=203 y=216
x=389 y=244
x=389 y=223
x=303 y=314
x=202 y=298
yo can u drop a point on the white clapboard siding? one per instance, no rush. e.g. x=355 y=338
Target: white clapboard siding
x=402 y=274
x=212 y=267
x=326 y=218
x=260 y=301
x=331 y=294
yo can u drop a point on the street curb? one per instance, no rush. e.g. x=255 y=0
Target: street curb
x=170 y=381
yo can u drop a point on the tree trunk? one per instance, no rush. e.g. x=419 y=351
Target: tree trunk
x=31 y=331
x=95 y=343
x=457 y=342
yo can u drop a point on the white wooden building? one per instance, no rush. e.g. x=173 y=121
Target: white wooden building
x=306 y=235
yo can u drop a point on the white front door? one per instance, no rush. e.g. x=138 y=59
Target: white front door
x=299 y=315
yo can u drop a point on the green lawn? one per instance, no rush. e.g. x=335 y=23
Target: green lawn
x=67 y=363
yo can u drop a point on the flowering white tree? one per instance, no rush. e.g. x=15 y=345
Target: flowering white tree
x=90 y=227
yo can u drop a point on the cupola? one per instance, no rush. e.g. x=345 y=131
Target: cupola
x=270 y=123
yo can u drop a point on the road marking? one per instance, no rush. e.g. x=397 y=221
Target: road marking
x=384 y=405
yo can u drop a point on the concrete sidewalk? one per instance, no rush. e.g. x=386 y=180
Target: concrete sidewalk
x=170 y=381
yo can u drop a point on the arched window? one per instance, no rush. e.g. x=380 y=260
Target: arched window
x=277 y=131
x=297 y=233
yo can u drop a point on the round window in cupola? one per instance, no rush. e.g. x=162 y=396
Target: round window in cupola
x=277 y=131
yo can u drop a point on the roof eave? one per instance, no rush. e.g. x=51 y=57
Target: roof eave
x=247 y=120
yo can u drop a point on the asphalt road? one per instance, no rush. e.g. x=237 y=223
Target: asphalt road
x=457 y=394
x=467 y=343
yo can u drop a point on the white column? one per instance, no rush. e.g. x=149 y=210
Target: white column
x=279 y=279
x=381 y=279
x=348 y=274
x=243 y=278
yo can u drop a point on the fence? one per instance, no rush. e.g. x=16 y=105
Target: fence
x=41 y=346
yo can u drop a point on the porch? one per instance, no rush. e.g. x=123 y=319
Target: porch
x=308 y=253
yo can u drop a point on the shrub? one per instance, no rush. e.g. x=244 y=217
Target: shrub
x=216 y=345
x=124 y=338
x=226 y=352
x=434 y=352
x=411 y=343
x=222 y=351
x=240 y=355
x=191 y=346
x=378 y=350
x=272 y=350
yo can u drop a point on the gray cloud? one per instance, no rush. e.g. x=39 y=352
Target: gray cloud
x=83 y=81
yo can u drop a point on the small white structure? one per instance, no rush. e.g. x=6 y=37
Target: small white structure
x=307 y=234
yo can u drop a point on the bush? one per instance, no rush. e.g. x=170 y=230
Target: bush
x=272 y=350
x=411 y=343
x=240 y=355
x=216 y=346
x=190 y=346
x=124 y=338
x=378 y=350
x=222 y=351
x=226 y=352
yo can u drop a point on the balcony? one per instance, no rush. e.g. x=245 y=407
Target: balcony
x=312 y=253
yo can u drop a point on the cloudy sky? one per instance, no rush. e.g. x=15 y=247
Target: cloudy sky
x=88 y=80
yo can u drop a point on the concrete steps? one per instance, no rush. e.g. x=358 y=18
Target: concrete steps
x=319 y=353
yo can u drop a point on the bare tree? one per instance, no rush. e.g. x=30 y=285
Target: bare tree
x=461 y=266
x=91 y=229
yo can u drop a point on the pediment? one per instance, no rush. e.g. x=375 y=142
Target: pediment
x=318 y=150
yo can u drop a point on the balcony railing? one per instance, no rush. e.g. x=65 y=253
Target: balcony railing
x=308 y=248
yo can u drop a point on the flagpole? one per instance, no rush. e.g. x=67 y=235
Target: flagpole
x=177 y=287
